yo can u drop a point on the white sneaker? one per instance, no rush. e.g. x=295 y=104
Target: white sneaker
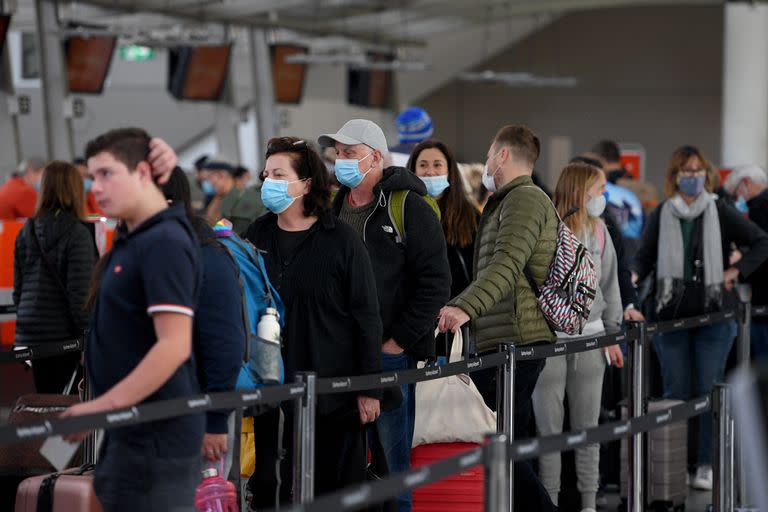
x=703 y=479
x=588 y=510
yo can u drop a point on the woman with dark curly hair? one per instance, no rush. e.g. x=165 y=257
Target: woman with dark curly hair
x=322 y=271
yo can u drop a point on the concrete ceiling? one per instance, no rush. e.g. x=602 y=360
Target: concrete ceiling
x=397 y=23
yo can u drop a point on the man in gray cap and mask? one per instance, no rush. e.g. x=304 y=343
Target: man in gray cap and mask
x=406 y=245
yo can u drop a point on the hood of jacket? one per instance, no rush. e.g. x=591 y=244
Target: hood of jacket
x=51 y=229
x=399 y=178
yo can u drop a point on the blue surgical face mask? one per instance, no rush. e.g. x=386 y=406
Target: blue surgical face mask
x=691 y=186
x=741 y=205
x=275 y=196
x=348 y=171
x=436 y=185
x=87 y=182
x=207 y=188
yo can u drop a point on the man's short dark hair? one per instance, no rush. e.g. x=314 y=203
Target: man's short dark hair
x=607 y=149
x=522 y=141
x=128 y=145
x=200 y=162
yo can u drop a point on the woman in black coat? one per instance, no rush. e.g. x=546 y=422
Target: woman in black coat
x=322 y=271
x=433 y=162
x=53 y=259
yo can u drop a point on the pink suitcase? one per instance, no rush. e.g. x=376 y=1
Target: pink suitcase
x=68 y=491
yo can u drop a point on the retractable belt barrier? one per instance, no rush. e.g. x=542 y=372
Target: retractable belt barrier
x=363 y=382
x=40 y=351
x=150 y=411
x=153 y=411
x=308 y=387
x=359 y=496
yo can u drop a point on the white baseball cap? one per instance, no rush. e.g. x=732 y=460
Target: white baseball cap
x=357 y=131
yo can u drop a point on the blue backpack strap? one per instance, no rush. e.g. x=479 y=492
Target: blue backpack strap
x=254 y=255
x=244 y=302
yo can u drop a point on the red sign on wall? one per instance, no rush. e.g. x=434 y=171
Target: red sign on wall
x=632 y=161
x=724 y=174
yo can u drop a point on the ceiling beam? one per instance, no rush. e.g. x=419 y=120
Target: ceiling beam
x=307 y=27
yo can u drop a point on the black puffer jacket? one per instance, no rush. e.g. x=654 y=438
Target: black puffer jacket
x=413 y=280
x=42 y=310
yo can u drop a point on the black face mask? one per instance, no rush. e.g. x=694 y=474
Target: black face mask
x=614 y=176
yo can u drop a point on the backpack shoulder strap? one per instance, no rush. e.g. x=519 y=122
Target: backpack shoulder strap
x=244 y=303
x=396 y=209
x=48 y=264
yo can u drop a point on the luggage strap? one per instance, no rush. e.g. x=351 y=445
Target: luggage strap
x=45 y=496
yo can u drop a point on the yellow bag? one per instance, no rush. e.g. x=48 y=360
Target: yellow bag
x=247 y=448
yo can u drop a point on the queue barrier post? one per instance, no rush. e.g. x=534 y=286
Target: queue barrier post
x=497 y=474
x=743 y=355
x=90 y=443
x=304 y=440
x=635 y=497
x=722 y=470
x=505 y=412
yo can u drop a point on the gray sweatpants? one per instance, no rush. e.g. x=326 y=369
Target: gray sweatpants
x=581 y=376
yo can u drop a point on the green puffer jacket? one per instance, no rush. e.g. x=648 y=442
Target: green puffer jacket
x=518 y=226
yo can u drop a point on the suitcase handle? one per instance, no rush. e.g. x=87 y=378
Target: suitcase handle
x=48 y=485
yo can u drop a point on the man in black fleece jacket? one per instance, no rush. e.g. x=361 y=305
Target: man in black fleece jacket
x=412 y=274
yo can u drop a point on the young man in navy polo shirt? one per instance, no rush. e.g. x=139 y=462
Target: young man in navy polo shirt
x=140 y=340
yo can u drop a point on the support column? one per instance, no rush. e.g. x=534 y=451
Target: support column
x=227 y=117
x=263 y=91
x=10 y=148
x=54 y=85
x=745 y=82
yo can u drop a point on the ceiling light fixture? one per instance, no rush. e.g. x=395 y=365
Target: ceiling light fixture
x=518 y=79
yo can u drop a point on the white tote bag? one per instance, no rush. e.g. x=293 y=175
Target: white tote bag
x=451 y=409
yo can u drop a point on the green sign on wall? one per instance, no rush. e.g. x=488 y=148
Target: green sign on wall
x=135 y=53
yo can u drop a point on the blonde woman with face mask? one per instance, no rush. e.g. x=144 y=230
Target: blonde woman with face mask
x=580 y=200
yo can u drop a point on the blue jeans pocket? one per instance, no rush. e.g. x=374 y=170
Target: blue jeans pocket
x=393 y=362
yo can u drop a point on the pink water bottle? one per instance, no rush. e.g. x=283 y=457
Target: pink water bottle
x=214 y=494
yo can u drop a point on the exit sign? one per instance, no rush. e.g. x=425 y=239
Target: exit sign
x=135 y=53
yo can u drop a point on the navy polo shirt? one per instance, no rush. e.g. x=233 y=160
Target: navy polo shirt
x=155 y=268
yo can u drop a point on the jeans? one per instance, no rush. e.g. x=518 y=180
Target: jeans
x=530 y=494
x=396 y=427
x=759 y=340
x=700 y=352
x=131 y=477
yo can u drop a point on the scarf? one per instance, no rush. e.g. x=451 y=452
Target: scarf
x=670 y=266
